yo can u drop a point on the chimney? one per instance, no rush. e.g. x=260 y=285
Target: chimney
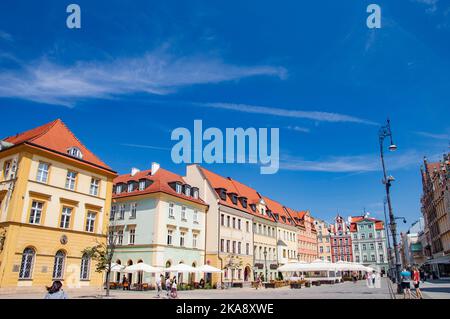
x=134 y=171
x=155 y=168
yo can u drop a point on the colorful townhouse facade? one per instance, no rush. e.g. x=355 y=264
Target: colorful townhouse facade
x=307 y=235
x=341 y=241
x=323 y=240
x=369 y=245
x=435 y=208
x=287 y=232
x=229 y=234
x=54 y=202
x=159 y=219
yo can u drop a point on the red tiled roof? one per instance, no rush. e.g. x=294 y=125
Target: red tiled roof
x=55 y=136
x=279 y=209
x=379 y=225
x=160 y=179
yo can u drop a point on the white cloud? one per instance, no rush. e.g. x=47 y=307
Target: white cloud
x=299 y=129
x=154 y=73
x=311 y=115
x=434 y=136
x=351 y=164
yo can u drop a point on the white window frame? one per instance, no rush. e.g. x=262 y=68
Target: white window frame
x=66 y=215
x=43 y=172
x=58 y=265
x=133 y=210
x=37 y=209
x=95 y=186
x=90 y=221
x=170 y=237
x=142 y=185
x=171 y=210
x=182 y=238
x=132 y=236
x=71 y=179
x=183 y=213
x=194 y=240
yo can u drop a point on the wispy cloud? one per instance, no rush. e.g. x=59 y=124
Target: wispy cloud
x=299 y=129
x=5 y=36
x=430 y=4
x=350 y=164
x=434 y=136
x=146 y=146
x=154 y=73
x=273 y=111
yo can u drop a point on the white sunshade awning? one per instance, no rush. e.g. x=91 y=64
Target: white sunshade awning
x=143 y=267
x=181 y=268
x=116 y=267
x=208 y=269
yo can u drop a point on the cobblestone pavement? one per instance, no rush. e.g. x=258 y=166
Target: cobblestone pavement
x=347 y=290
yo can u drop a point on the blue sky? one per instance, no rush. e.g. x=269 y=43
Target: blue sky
x=135 y=71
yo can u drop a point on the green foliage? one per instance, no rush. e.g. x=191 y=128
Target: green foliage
x=101 y=254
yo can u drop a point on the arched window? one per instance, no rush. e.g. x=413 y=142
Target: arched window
x=85 y=267
x=26 y=265
x=58 y=266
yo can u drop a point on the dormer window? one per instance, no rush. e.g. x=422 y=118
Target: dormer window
x=118 y=188
x=130 y=187
x=75 y=152
x=222 y=193
x=243 y=201
x=187 y=190
x=195 y=192
x=283 y=218
x=233 y=197
x=262 y=211
x=253 y=207
x=142 y=184
x=178 y=188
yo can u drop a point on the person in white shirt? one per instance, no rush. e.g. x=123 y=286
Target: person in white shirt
x=159 y=285
x=168 y=286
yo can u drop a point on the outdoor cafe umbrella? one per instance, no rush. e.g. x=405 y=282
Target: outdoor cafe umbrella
x=181 y=268
x=116 y=267
x=143 y=267
x=208 y=269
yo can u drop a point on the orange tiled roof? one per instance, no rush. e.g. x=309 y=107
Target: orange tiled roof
x=279 y=209
x=55 y=136
x=379 y=225
x=160 y=183
x=233 y=186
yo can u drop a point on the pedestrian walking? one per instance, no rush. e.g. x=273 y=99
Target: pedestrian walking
x=373 y=277
x=174 y=292
x=406 y=283
x=416 y=282
x=125 y=283
x=55 y=291
x=354 y=277
x=168 y=286
x=159 y=285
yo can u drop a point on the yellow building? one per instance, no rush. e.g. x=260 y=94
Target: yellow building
x=54 y=202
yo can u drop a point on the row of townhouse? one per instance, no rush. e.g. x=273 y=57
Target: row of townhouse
x=57 y=198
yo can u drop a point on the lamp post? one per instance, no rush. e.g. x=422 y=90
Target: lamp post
x=385 y=131
x=388 y=240
x=265 y=263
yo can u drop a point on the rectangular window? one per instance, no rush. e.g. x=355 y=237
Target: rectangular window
x=178 y=188
x=194 y=240
x=370 y=235
x=42 y=173
x=234 y=247
x=65 y=217
x=133 y=211
x=90 y=221
x=234 y=222
x=373 y=257
x=132 y=237
x=113 y=212
x=381 y=258
x=169 y=236
x=121 y=212
x=171 y=215
x=247 y=249
x=228 y=246
x=222 y=244
x=364 y=258
x=239 y=224
x=195 y=217
x=183 y=213
x=36 y=212
x=95 y=184
x=364 y=247
x=130 y=187
x=380 y=246
x=363 y=236
x=222 y=220
x=228 y=221
x=239 y=248
x=141 y=185
x=7 y=170
x=71 y=180
x=120 y=237
x=372 y=246
x=182 y=235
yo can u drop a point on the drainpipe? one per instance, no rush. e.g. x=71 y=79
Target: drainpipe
x=218 y=245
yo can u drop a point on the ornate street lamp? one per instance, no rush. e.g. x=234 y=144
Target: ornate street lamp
x=385 y=131
x=265 y=263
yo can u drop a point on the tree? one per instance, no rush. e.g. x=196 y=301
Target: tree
x=234 y=263
x=103 y=253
